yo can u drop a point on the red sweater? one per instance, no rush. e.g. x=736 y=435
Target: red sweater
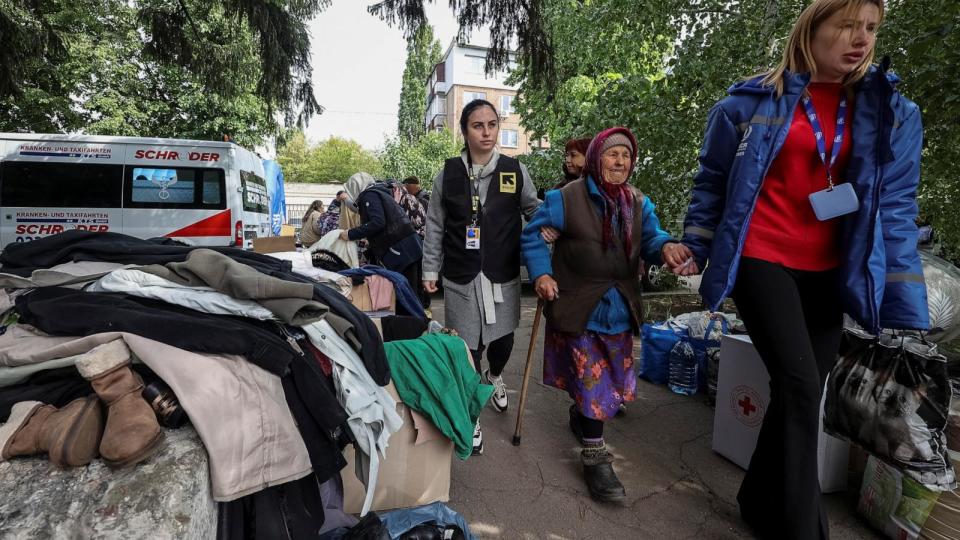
x=784 y=229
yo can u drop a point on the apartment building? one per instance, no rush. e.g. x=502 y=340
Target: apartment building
x=459 y=79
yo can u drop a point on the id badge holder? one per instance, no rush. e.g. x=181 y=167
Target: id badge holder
x=834 y=202
x=473 y=238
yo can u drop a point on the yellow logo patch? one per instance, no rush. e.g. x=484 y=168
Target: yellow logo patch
x=508 y=182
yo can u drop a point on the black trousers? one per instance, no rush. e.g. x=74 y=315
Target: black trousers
x=414 y=273
x=795 y=321
x=498 y=352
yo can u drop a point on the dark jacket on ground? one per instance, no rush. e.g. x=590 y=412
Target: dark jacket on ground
x=67 y=312
x=355 y=327
x=73 y=245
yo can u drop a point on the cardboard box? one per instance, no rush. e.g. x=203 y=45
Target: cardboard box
x=274 y=244
x=903 y=509
x=743 y=394
x=416 y=470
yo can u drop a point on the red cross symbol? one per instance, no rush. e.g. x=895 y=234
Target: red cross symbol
x=747 y=406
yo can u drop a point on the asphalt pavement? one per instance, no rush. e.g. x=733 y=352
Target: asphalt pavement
x=677 y=487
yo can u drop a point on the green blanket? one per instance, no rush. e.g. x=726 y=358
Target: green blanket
x=435 y=377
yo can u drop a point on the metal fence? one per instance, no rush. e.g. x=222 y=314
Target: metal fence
x=295 y=214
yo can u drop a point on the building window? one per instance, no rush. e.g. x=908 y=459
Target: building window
x=506 y=105
x=441 y=106
x=472 y=96
x=475 y=65
x=508 y=138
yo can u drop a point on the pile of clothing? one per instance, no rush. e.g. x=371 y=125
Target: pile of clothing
x=104 y=337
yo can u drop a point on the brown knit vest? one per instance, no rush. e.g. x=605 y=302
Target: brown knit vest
x=584 y=271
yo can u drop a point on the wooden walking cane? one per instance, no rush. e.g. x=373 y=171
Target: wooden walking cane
x=526 y=371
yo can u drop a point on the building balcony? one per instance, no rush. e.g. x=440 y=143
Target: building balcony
x=437 y=121
x=439 y=87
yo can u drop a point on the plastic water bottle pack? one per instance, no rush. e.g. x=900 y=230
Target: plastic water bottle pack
x=684 y=369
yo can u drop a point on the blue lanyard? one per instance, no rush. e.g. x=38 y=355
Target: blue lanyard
x=818 y=133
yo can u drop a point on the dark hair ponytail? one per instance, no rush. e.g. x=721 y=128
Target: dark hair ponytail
x=468 y=110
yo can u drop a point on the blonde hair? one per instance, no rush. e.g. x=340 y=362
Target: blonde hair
x=798 y=52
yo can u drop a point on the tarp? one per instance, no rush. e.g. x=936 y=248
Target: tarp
x=278 y=199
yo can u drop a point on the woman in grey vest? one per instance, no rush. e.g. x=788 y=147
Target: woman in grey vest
x=473 y=240
x=592 y=285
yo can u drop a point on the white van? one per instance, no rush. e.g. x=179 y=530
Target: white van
x=201 y=192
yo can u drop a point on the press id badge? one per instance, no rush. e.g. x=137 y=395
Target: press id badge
x=834 y=201
x=473 y=237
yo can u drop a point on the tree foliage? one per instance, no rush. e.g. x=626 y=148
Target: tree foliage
x=332 y=161
x=423 y=52
x=423 y=158
x=923 y=39
x=193 y=66
x=657 y=66
x=510 y=22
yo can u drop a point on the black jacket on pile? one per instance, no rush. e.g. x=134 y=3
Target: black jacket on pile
x=68 y=312
x=74 y=245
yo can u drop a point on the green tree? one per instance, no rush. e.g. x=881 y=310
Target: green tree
x=331 y=161
x=423 y=52
x=575 y=76
x=294 y=158
x=511 y=23
x=610 y=69
x=247 y=54
x=423 y=158
x=923 y=39
x=337 y=159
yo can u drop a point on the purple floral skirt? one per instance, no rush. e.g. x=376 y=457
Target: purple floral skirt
x=595 y=369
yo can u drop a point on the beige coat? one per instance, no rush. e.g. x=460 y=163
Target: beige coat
x=238 y=409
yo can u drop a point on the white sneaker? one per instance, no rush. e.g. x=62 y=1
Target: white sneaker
x=499 y=399
x=477 y=439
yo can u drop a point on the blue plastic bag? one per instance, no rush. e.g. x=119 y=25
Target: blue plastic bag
x=655 y=346
x=404 y=519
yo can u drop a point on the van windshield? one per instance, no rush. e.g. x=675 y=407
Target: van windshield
x=255 y=198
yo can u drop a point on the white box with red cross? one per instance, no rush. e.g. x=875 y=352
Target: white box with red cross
x=743 y=393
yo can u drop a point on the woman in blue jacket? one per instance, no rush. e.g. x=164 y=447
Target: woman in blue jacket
x=804 y=206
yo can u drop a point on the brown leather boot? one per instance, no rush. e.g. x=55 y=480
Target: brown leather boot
x=132 y=432
x=69 y=435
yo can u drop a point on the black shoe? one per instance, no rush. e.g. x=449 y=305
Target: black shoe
x=575 y=424
x=622 y=409
x=602 y=481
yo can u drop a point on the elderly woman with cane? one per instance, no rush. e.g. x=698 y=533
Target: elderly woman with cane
x=591 y=285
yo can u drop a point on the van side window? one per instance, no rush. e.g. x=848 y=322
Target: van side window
x=255 y=198
x=157 y=187
x=212 y=191
x=60 y=185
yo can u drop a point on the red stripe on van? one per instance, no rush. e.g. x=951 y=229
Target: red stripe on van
x=216 y=225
